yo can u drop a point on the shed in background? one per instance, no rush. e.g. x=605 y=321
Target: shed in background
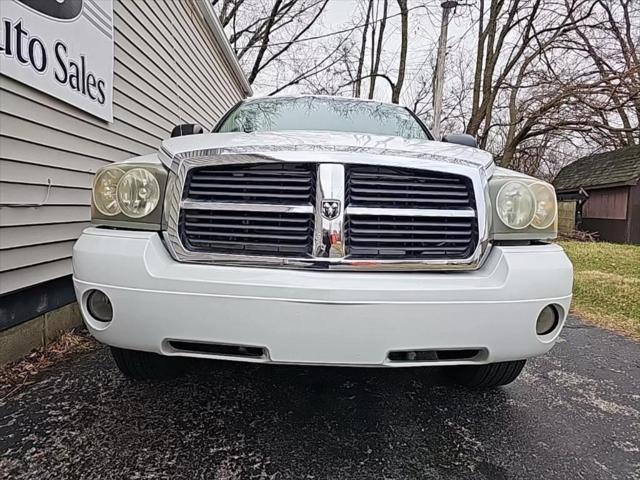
x=606 y=189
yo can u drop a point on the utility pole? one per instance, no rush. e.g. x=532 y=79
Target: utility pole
x=438 y=83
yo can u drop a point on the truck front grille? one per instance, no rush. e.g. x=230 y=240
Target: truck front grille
x=375 y=186
x=248 y=233
x=409 y=233
x=250 y=210
x=270 y=183
x=404 y=237
x=245 y=209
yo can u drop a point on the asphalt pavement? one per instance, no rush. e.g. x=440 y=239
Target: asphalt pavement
x=573 y=414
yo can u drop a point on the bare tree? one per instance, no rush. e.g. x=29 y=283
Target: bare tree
x=579 y=82
x=363 y=49
x=396 y=89
x=548 y=79
x=261 y=32
x=376 y=54
x=610 y=43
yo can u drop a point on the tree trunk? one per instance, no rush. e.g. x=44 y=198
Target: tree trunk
x=363 y=49
x=404 y=18
x=376 y=65
x=265 y=41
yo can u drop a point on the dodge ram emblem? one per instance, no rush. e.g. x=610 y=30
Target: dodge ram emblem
x=330 y=209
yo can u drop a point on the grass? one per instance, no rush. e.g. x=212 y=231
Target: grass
x=606 y=286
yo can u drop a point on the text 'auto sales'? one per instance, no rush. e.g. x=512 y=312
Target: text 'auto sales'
x=16 y=42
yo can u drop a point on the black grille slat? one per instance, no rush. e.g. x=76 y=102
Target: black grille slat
x=422 y=185
x=410 y=221
x=250 y=233
x=247 y=196
x=265 y=183
x=361 y=231
x=409 y=242
x=412 y=191
x=292 y=179
x=250 y=236
x=399 y=252
x=392 y=173
x=213 y=216
x=411 y=238
x=254 y=226
x=212 y=187
x=391 y=187
x=256 y=169
x=360 y=200
x=245 y=245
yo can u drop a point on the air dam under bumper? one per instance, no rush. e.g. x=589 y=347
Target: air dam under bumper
x=320 y=317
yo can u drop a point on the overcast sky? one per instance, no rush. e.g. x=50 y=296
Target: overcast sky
x=424 y=28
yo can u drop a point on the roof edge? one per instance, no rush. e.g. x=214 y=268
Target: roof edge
x=218 y=32
x=628 y=183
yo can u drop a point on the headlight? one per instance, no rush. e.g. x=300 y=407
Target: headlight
x=129 y=195
x=524 y=208
x=138 y=193
x=515 y=205
x=104 y=191
x=546 y=206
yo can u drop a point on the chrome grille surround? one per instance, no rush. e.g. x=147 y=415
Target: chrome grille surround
x=328 y=250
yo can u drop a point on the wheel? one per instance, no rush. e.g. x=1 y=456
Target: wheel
x=146 y=365
x=486 y=376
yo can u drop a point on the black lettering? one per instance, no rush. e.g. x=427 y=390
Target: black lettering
x=91 y=83
x=62 y=75
x=74 y=75
x=83 y=69
x=101 y=96
x=7 y=39
x=38 y=58
x=20 y=33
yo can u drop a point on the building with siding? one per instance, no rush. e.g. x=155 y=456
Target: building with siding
x=606 y=190
x=171 y=64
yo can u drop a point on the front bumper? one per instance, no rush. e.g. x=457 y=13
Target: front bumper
x=320 y=317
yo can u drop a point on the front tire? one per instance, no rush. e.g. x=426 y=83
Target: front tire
x=146 y=365
x=486 y=376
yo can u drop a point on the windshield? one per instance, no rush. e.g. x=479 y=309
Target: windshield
x=328 y=114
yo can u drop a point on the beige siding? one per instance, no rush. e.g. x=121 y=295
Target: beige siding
x=168 y=69
x=566 y=217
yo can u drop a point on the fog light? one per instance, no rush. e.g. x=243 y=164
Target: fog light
x=99 y=306
x=547 y=320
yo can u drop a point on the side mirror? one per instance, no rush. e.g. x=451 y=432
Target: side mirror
x=186 y=129
x=461 y=139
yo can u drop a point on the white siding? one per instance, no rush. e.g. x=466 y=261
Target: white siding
x=168 y=69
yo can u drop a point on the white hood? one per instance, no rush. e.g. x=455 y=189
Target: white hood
x=282 y=143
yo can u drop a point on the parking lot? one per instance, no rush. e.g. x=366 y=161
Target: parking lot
x=575 y=413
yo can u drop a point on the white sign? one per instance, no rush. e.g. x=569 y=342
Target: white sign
x=61 y=47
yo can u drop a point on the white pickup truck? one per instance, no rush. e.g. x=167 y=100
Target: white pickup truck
x=322 y=231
